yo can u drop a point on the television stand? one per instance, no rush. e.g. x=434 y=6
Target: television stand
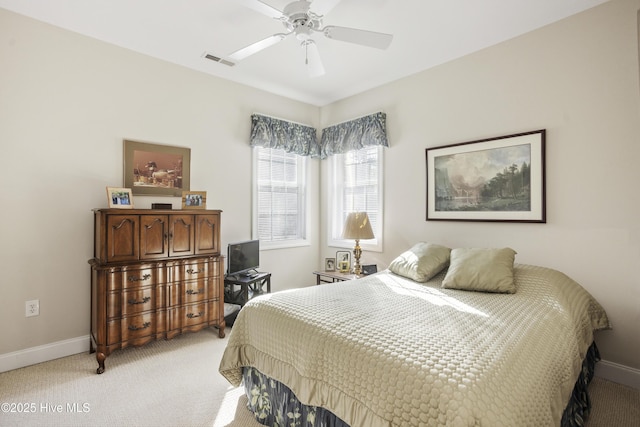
x=240 y=288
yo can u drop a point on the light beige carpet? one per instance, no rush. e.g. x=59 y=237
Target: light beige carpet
x=176 y=383
x=613 y=405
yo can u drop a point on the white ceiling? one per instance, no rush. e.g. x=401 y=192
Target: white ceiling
x=426 y=33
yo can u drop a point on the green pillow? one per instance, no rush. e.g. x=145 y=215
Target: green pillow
x=480 y=269
x=421 y=262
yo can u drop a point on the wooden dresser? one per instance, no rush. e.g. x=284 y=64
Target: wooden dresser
x=155 y=274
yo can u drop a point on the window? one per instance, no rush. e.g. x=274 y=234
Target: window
x=280 y=198
x=356 y=185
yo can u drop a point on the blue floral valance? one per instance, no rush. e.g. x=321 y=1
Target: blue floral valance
x=354 y=135
x=269 y=132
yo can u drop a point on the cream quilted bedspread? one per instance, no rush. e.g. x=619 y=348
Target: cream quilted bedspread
x=386 y=351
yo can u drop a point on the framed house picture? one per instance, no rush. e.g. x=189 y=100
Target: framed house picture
x=156 y=170
x=496 y=179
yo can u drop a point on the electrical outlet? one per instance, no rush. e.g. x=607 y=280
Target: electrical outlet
x=32 y=308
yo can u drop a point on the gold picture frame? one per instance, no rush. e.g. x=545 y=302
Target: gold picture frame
x=343 y=261
x=119 y=198
x=194 y=200
x=155 y=169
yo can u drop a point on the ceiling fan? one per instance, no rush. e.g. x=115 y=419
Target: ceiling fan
x=299 y=20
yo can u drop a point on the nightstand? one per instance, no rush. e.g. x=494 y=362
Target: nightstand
x=333 y=276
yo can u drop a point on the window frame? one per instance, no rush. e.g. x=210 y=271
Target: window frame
x=335 y=219
x=304 y=205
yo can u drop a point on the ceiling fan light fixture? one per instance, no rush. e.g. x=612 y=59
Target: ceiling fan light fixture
x=303 y=32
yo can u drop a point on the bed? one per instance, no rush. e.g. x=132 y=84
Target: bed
x=433 y=340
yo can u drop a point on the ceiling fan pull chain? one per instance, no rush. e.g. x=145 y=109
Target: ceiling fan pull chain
x=306 y=53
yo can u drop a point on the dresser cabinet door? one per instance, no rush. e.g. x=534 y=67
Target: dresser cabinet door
x=154 y=236
x=181 y=235
x=122 y=242
x=207 y=234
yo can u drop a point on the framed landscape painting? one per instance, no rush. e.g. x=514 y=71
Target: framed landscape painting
x=495 y=179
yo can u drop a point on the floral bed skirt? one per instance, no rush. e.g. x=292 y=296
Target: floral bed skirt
x=274 y=404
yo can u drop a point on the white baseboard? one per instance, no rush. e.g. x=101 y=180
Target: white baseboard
x=43 y=353
x=617 y=373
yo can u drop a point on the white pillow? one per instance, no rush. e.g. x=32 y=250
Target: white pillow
x=421 y=262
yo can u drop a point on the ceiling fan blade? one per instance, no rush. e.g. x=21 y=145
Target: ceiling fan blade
x=312 y=59
x=362 y=37
x=256 y=47
x=262 y=8
x=322 y=7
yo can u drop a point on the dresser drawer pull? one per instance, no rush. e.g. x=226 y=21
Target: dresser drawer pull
x=193 y=316
x=137 y=279
x=144 y=300
x=145 y=325
x=192 y=271
x=195 y=292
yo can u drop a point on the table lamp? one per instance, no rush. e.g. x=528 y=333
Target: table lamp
x=357 y=226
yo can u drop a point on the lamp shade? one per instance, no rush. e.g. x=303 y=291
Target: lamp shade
x=357 y=226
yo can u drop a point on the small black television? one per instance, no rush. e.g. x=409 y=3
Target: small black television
x=243 y=258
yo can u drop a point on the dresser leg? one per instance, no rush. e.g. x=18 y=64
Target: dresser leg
x=100 y=358
x=221 y=329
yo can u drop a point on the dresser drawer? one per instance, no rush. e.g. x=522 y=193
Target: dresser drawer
x=134 y=301
x=125 y=278
x=195 y=314
x=135 y=278
x=197 y=269
x=192 y=314
x=135 y=327
x=189 y=292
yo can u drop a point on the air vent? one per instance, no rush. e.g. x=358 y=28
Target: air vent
x=218 y=59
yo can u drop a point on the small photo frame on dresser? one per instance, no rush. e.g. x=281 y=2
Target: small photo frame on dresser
x=194 y=200
x=120 y=198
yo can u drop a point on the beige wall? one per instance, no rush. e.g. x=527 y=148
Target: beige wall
x=67 y=102
x=578 y=79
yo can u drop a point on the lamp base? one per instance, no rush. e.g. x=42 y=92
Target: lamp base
x=357 y=252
